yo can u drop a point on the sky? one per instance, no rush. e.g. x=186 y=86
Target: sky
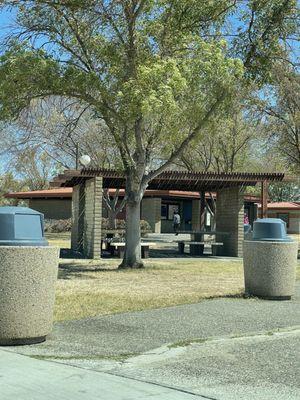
x=6 y=20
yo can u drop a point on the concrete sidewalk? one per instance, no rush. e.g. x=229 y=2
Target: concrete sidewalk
x=24 y=378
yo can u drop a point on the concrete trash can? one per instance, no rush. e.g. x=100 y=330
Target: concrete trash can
x=28 y=273
x=270 y=260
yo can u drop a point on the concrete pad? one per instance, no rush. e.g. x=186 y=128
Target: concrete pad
x=24 y=378
x=224 y=349
x=264 y=366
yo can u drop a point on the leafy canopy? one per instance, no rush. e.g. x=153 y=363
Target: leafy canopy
x=154 y=70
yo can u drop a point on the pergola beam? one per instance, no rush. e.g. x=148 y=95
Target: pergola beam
x=170 y=180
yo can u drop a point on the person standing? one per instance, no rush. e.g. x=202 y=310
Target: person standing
x=176 y=222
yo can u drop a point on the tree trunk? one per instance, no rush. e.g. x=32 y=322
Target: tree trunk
x=133 y=256
x=112 y=219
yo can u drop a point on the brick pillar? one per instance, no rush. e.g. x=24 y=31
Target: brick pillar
x=230 y=218
x=196 y=214
x=92 y=218
x=151 y=212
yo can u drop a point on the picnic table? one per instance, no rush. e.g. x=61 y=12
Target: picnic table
x=197 y=236
x=197 y=242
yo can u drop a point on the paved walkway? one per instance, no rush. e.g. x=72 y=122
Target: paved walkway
x=24 y=378
x=224 y=349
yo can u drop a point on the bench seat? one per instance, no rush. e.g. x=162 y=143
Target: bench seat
x=120 y=248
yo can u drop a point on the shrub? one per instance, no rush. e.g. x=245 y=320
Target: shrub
x=145 y=226
x=58 y=225
x=65 y=225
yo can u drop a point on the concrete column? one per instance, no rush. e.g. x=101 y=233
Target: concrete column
x=196 y=214
x=230 y=218
x=92 y=218
x=151 y=212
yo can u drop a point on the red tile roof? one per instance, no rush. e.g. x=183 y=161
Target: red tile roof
x=287 y=205
x=66 y=192
x=57 y=192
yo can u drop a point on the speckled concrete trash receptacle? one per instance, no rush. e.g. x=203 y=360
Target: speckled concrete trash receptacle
x=270 y=269
x=270 y=261
x=28 y=274
x=27 y=293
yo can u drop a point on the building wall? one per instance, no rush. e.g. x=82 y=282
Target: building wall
x=52 y=208
x=151 y=212
x=294 y=219
x=196 y=208
x=230 y=218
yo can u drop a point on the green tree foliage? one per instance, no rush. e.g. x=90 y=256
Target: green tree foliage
x=288 y=191
x=8 y=184
x=225 y=145
x=283 y=117
x=156 y=72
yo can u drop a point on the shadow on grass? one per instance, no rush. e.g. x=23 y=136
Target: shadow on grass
x=68 y=271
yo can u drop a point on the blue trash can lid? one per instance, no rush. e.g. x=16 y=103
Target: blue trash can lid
x=18 y=210
x=270 y=229
x=21 y=226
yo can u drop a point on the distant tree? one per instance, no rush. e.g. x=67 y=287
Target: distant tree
x=283 y=123
x=34 y=168
x=8 y=184
x=156 y=72
x=284 y=191
x=225 y=145
x=62 y=129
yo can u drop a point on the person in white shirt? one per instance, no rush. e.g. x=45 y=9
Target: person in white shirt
x=176 y=222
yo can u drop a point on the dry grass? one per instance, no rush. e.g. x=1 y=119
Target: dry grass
x=93 y=288
x=88 y=288
x=61 y=240
x=296 y=237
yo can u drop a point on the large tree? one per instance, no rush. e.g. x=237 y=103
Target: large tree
x=156 y=72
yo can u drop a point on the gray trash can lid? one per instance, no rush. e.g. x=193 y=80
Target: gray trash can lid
x=270 y=229
x=21 y=226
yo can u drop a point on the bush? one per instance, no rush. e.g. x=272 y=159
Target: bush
x=65 y=225
x=58 y=225
x=145 y=226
